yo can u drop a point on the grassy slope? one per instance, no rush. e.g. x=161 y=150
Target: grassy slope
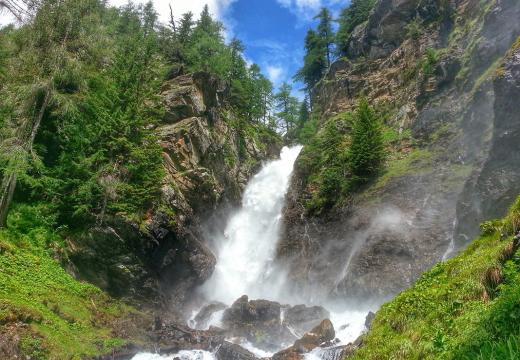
x=465 y=308
x=56 y=316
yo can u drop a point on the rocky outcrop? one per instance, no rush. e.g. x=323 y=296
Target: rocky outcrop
x=209 y=155
x=380 y=239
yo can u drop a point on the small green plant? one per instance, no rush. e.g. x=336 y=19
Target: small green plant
x=413 y=30
x=429 y=61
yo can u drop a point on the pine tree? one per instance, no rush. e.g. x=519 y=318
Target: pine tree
x=304 y=113
x=367 y=151
x=325 y=33
x=314 y=62
x=185 y=28
x=287 y=106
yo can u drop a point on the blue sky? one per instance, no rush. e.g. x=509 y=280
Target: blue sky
x=272 y=30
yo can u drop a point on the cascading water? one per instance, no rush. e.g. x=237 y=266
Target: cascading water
x=246 y=257
x=246 y=250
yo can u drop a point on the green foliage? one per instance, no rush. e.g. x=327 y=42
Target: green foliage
x=367 y=151
x=94 y=151
x=353 y=15
x=414 y=30
x=287 y=106
x=465 y=308
x=314 y=61
x=325 y=33
x=346 y=152
x=428 y=62
x=200 y=46
x=65 y=318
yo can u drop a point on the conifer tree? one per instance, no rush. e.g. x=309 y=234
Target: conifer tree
x=314 y=62
x=287 y=106
x=325 y=33
x=367 y=151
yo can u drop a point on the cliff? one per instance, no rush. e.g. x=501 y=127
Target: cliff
x=209 y=155
x=428 y=68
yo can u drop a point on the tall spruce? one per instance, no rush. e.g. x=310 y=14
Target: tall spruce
x=287 y=106
x=314 y=61
x=367 y=150
x=325 y=33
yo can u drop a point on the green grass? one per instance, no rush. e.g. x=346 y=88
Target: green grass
x=65 y=318
x=465 y=308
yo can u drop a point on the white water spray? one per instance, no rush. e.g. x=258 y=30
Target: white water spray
x=246 y=250
x=451 y=247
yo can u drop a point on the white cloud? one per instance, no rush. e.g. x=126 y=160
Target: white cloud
x=307 y=9
x=218 y=8
x=275 y=73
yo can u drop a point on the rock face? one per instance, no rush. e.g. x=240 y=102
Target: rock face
x=208 y=160
x=458 y=170
x=492 y=188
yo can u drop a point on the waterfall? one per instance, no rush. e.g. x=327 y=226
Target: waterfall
x=246 y=250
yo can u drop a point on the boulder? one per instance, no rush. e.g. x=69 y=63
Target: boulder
x=254 y=311
x=301 y=318
x=321 y=334
x=368 y=320
x=259 y=322
x=203 y=318
x=229 y=351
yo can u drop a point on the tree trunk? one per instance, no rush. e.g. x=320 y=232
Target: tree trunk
x=8 y=186
x=9 y=181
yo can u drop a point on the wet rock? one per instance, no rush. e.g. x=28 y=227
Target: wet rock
x=229 y=351
x=493 y=187
x=368 y=320
x=321 y=334
x=259 y=322
x=335 y=352
x=174 y=337
x=244 y=311
x=203 y=318
x=301 y=318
